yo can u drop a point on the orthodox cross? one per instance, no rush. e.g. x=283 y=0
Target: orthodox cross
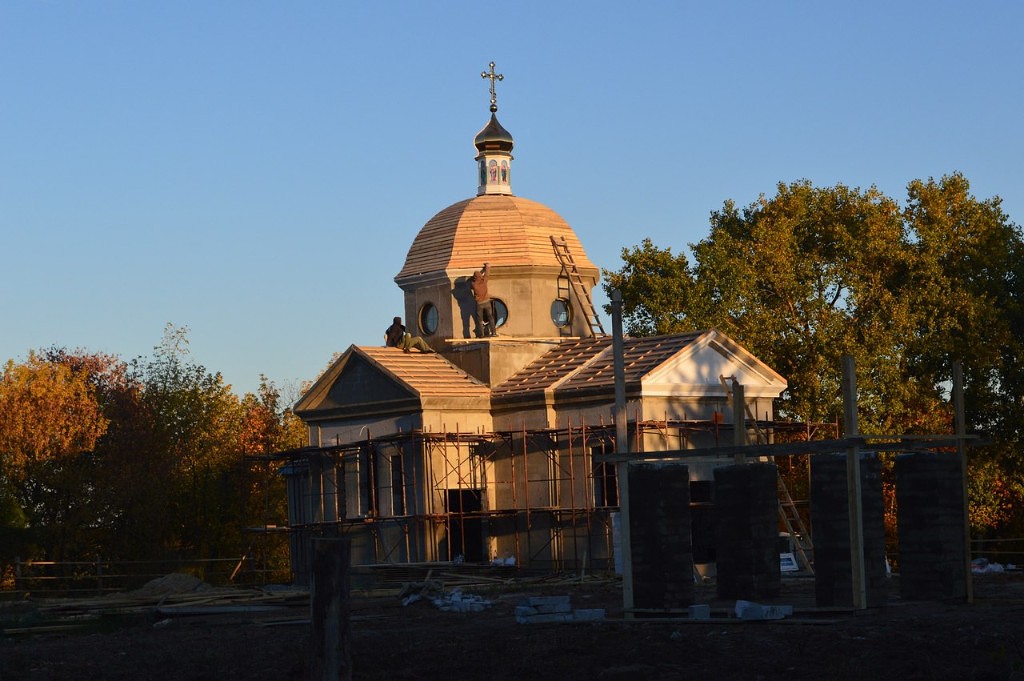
x=493 y=76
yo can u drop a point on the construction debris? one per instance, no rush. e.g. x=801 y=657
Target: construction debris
x=746 y=610
x=434 y=592
x=699 y=612
x=545 y=609
x=176 y=594
x=981 y=566
x=456 y=601
x=418 y=591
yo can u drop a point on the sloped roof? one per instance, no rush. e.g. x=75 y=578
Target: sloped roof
x=640 y=357
x=589 y=363
x=587 y=366
x=500 y=230
x=428 y=374
x=396 y=376
x=551 y=367
x=364 y=379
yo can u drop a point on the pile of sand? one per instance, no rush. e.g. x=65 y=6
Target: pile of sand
x=174 y=583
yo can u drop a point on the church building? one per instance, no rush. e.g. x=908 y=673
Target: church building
x=492 y=447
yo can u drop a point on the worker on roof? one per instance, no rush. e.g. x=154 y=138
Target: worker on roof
x=396 y=337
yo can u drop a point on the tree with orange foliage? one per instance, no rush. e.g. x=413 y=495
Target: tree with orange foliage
x=50 y=412
x=52 y=420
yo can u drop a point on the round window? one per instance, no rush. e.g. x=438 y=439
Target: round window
x=428 y=319
x=561 y=312
x=500 y=312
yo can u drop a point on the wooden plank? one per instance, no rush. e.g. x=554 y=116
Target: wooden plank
x=182 y=610
x=853 y=486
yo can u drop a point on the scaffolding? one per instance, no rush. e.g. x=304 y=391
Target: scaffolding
x=540 y=499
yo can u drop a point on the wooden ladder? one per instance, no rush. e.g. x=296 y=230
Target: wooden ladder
x=794 y=524
x=579 y=289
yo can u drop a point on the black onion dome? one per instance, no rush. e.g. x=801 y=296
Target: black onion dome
x=493 y=136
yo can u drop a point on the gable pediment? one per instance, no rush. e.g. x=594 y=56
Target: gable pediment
x=360 y=382
x=375 y=380
x=355 y=383
x=701 y=367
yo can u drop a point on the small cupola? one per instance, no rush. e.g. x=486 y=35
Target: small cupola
x=494 y=146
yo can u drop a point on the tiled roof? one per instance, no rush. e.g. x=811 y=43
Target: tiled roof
x=640 y=356
x=552 y=366
x=429 y=374
x=496 y=229
x=578 y=365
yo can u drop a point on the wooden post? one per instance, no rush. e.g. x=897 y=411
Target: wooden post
x=739 y=428
x=960 y=426
x=853 y=486
x=622 y=447
x=329 y=605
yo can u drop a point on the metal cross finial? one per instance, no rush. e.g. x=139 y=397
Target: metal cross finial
x=493 y=76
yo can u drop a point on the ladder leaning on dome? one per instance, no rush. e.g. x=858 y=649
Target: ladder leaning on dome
x=579 y=289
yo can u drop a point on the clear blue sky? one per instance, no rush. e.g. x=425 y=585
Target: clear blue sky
x=256 y=171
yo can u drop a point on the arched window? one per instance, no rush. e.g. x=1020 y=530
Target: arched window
x=500 y=312
x=561 y=312
x=428 y=318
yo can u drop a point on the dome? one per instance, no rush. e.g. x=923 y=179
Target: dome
x=493 y=135
x=501 y=230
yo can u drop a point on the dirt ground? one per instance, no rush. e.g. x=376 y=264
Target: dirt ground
x=906 y=641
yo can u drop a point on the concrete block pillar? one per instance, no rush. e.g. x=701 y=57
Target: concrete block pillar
x=746 y=531
x=830 y=530
x=929 y=503
x=660 y=546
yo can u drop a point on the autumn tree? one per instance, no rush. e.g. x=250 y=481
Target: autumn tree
x=196 y=422
x=50 y=412
x=267 y=427
x=139 y=460
x=52 y=420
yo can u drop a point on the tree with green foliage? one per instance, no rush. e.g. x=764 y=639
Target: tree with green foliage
x=656 y=287
x=800 y=279
x=197 y=421
x=812 y=274
x=969 y=286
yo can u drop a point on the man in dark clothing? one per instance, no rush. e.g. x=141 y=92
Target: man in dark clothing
x=396 y=337
x=395 y=333
x=485 y=322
